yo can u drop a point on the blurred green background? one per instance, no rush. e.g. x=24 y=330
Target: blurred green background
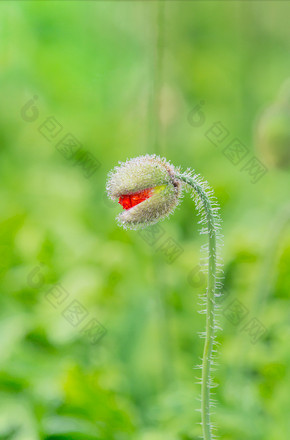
x=99 y=326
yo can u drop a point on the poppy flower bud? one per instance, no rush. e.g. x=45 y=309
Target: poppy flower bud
x=146 y=189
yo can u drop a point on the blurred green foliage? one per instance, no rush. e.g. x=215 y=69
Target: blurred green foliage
x=92 y=67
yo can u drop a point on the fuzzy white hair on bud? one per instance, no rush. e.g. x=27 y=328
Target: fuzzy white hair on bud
x=149 y=188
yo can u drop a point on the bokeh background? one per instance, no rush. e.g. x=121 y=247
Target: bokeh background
x=99 y=326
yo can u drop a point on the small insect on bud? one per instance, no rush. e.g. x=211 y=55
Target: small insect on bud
x=146 y=189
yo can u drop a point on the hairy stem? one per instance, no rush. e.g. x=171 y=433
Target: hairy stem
x=210 y=222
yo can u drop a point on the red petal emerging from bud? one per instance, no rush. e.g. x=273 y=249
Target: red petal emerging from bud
x=130 y=200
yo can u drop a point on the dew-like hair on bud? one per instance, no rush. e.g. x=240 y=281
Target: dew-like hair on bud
x=165 y=183
x=139 y=174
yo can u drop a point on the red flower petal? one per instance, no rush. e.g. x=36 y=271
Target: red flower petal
x=130 y=200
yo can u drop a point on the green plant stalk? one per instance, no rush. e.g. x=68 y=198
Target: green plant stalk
x=210 y=302
x=130 y=182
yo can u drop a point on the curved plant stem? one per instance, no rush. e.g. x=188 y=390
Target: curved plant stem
x=210 y=221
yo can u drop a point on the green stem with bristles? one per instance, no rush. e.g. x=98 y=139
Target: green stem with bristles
x=210 y=301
